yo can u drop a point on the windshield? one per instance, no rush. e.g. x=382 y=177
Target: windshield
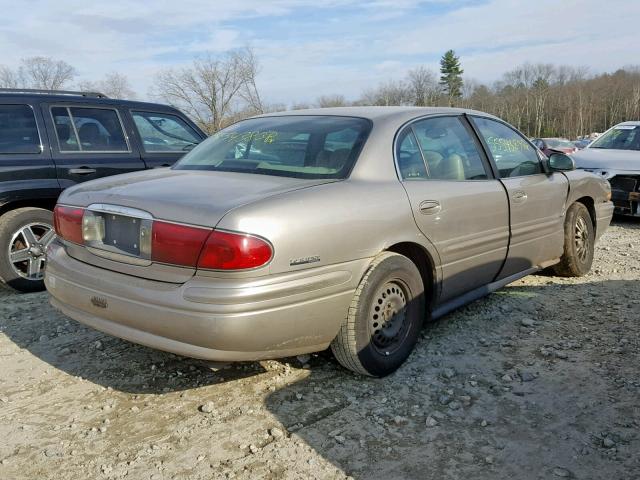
x=620 y=137
x=291 y=146
x=559 y=143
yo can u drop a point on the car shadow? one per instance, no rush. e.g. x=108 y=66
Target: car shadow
x=31 y=323
x=501 y=388
x=448 y=412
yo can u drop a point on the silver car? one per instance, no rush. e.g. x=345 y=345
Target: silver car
x=292 y=232
x=615 y=155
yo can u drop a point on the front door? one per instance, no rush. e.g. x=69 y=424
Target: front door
x=89 y=142
x=537 y=199
x=456 y=202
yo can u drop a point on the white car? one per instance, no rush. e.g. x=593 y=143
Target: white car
x=615 y=155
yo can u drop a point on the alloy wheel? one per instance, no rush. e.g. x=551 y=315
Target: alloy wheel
x=27 y=250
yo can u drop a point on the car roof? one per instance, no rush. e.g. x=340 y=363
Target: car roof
x=635 y=123
x=90 y=98
x=375 y=113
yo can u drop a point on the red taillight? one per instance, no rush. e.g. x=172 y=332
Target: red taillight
x=67 y=222
x=177 y=244
x=234 y=251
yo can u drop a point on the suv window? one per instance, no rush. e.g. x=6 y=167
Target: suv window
x=161 y=132
x=18 y=130
x=439 y=148
x=87 y=129
x=513 y=155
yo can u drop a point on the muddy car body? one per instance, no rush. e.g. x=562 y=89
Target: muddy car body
x=287 y=233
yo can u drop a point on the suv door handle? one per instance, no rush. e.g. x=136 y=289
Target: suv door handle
x=519 y=196
x=429 y=207
x=82 y=171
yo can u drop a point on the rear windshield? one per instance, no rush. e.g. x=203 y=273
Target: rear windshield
x=290 y=146
x=620 y=137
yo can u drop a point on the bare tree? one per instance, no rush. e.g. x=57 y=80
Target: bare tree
x=423 y=86
x=250 y=92
x=214 y=89
x=38 y=72
x=45 y=73
x=392 y=92
x=8 y=78
x=326 y=101
x=114 y=85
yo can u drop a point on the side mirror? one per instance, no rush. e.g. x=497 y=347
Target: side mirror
x=561 y=162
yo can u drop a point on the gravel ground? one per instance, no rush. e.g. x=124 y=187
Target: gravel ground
x=539 y=380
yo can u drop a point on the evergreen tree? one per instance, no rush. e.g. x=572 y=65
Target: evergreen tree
x=451 y=76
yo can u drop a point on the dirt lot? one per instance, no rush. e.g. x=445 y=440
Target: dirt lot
x=540 y=380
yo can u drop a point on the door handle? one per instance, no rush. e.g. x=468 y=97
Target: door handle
x=429 y=207
x=82 y=171
x=164 y=165
x=519 y=196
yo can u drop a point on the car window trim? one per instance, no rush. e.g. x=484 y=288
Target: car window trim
x=186 y=121
x=491 y=174
x=487 y=150
x=35 y=121
x=68 y=107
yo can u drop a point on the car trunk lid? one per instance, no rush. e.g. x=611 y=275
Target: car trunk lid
x=120 y=212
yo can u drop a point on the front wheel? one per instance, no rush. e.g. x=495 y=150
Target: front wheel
x=384 y=319
x=25 y=234
x=579 y=240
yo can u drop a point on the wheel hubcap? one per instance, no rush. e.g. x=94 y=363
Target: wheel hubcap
x=387 y=318
x=582 y=239
x=27 y=250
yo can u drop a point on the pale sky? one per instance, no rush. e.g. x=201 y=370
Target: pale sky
x=310 y=48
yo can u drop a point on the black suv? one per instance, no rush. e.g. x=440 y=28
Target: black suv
x=50 y=140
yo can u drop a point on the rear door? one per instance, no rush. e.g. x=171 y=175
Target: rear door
x=456 y=202
x=89 y=142
x=163 y=137
x=537 y=199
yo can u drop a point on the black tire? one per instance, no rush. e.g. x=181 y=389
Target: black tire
x=377 y=348
x=579 y=240
x=11 y=223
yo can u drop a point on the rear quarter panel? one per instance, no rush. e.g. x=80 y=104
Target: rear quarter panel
x=331 y=223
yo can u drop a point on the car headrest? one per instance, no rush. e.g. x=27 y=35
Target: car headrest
x=64 y=131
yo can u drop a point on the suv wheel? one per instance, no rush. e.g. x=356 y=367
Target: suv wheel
x=25 y=234
x=384 y=319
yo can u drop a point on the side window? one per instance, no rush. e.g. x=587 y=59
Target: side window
x=512 y=154
x=18 y=130
x=67 y=140
x=410 y=162
x=448 y=149
x=88 y=130
x=161 y=132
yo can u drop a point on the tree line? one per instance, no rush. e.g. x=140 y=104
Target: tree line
x=539 y=99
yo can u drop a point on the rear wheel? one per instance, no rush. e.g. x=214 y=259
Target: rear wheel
x=579 y=239
x=384 y=319
x=25 y=234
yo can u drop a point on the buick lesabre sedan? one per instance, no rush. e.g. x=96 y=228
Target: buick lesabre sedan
x=292 y=232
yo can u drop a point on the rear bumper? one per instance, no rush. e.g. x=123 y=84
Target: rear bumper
x=206 y=317
x=604 y=213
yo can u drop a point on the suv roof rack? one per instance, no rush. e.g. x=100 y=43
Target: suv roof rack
x=53 y=92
